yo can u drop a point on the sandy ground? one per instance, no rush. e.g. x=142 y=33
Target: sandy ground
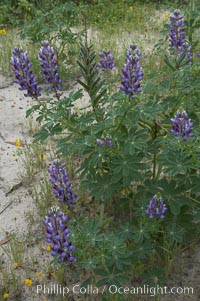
x=16 y=202
x=13 y=205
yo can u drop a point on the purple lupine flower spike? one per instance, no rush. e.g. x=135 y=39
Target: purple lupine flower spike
x=107 y=61
x=62 y=188
x=49 y=66
x=156 y=207
x=181 y=125
x=132 y=73
x=23 y=74
x=177 y=36
x=57 y=235
x=105 y=141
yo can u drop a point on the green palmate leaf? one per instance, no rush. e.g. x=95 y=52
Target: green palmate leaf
x=142 y=250
x=126 y=231
x=127 y=169
x=176 y=162
x=102 y=187
x=149 y=110
x=175 y=207
x=90 y=263
x=173 y=195
x=175 y=233
x=141 y=233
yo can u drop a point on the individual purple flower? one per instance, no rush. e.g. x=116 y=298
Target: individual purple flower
x=156 y=207
x=132 y=72
x=62 y=188
x=49 y=66
x=57 y=235
x=181 y=125
x=23 y=74
x=105 y=141
x=107 y=61
x=177 y=36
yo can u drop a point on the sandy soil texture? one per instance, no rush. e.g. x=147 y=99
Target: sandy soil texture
x=15 y=200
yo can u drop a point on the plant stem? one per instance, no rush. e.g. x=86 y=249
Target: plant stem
x=159 y=172
x=154 y=166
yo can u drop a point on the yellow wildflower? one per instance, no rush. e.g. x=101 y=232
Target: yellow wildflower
x=6 y=296
x=39 y=274
x=166 y=15
x=28 y=282
x=17 y=143
x=42 y=157
x=3 y=31
x=16 y=264
x=48 y=248
x=131 y=8
x=53 y=274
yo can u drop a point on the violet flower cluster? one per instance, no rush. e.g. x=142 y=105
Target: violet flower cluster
x=107 y=61
x=156 y=207
x=177 y=35
x=57 y=235
x=49 y=66
x=132 y=72
x=105 y=141
x=24 y=76
x=181 y=125
x=62 y=188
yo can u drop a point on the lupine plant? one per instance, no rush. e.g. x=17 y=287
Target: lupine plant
x=107 y=61
x=49 y=66
x=156 y=207
x=138 y=154
x=57 y=235
x=182 y=125
x=132 y=72
x=62 y=188
x=179 y=47
x=23 y=74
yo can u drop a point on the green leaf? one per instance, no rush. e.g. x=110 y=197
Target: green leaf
x=175 y=207
x=32 y=110
x=175 y=233
x=101 y=272
x=102 y=188
x=100 y=95
x=86 y=87
x=166 y=60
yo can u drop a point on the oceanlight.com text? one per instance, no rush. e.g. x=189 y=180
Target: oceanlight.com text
x=58 y=289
